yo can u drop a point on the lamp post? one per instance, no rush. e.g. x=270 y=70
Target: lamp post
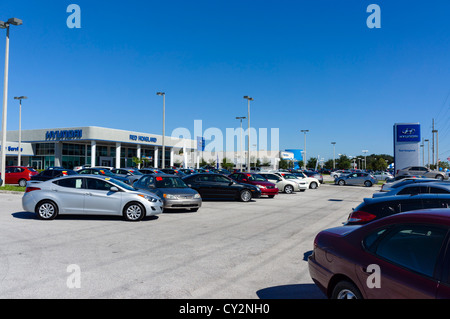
x=20 y=98
x=334 y=154
x=241 y=155
x=5 y=25
x=164 y=129
x=248 y=133
x=304 y=151
x=428 y=142
x=365 y=159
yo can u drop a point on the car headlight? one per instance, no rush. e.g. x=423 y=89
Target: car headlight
x=149 y=198
x=170 y=196
x=261 y=186
x=197 y=195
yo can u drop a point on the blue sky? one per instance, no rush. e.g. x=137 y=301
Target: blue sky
x=308 y=64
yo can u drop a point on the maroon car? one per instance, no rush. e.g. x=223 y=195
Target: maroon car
x=406 y=255
x=266 y=187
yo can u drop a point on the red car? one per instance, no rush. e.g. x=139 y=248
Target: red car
x=19 y=175
x=406 y=255
x=266 y=187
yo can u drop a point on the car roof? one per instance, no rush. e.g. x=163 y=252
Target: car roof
x=374 y=200
x=439 y=216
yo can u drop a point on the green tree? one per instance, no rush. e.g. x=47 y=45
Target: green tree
x=311 y=163
x=343 y=162
x=283 y=164
x=226 y=164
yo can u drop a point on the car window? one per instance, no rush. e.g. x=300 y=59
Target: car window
x=205 y=178
x=438 y=190
x=411 y=190
x=70 y=182
x=98 y=184
x=410 y=204
x=415 y=247
x=221 y=179
x=369 y=241
x=146 y=180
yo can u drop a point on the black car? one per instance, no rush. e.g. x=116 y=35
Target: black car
x=149 y=171
x=217 y=186
x=375 y=208
x=52 y=173
x=172 y=171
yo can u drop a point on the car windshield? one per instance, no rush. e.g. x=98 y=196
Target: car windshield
x=170 y=182
x=121 y=184
x=106 y=172
x=256 y=178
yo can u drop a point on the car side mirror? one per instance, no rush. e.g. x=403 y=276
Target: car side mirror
x=113 y=189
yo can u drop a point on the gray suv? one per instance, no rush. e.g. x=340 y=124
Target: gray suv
x=423 y=171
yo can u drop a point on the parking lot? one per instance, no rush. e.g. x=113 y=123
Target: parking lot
x=225 y=250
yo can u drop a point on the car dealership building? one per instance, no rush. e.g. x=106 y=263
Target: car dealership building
x=96 y=146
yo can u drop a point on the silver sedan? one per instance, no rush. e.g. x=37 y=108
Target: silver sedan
x=89 y=195
x=356 y=179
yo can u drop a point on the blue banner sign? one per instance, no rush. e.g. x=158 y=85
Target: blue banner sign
x=408 y=133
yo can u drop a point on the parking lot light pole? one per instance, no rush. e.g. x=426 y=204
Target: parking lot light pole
x=428 y=142
x=164 y=129
x=248 y=133
x=365 y=162
x=304 y=151
x=241 y=155
x=5 y=25
x=334 y=154
x=20 y=98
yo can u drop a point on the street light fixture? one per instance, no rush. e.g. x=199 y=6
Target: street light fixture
x=20 y=98
x=164 y=130
x=304 y=151
x=5 y=25
x=248 y=133
x=241 y=155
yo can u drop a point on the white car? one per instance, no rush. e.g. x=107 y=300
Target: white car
x=89 y=195
x=285 y=185
x=312 y=182
x=339 y=173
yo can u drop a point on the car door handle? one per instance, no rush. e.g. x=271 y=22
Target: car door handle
x=88 y=194
x=54 y=190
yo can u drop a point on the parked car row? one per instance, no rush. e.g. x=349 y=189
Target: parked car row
x=402 y=235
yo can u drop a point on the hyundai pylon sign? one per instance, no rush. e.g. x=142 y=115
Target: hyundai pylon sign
x=406 y=145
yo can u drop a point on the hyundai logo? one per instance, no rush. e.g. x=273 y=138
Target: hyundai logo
x=408 y=131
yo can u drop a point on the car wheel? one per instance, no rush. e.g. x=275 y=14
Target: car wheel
x=22 y=182
x=288 y=189
x=440 y=177
x=46 y=210
x=313 y=185
x=368 y=183
x=245 y=195
x=341 y=182
x=346 y=290
x=133 y=212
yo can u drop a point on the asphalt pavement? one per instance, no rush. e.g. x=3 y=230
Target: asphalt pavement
x=226 y=250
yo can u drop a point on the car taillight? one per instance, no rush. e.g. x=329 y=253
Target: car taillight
x=30 y=189
x=360 y=216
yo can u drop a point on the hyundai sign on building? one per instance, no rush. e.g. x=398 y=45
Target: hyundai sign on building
x=406 y=145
